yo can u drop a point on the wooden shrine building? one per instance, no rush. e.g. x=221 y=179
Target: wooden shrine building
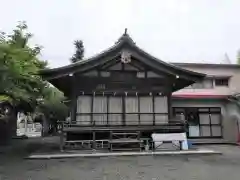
x=121 y=93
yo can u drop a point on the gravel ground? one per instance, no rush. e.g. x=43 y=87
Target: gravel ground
x=213 y=167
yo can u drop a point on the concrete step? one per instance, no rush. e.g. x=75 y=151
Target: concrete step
x=210 y=141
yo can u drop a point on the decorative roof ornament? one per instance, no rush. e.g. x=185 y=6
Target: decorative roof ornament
x=125 y=37
x=125 y=32
x=125 y=57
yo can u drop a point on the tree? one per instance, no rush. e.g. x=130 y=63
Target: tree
x=79 y=54
x=19 y=79
x=19 y=66
x=52 y=106
x=19 y=83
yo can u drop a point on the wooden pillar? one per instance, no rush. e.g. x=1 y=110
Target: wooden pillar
x=169 y=100
x=61 y=139
x=107 y=110
x=139 y=117
x=94 y=139
x=73 y=109
x=153 y=102
x=110 y=141
x=139 y=141
x=91 y=110
x=73 y=106
x=61 y=142
x=123 y=111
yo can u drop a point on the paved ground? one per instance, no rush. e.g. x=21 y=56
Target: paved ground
x=217 y=167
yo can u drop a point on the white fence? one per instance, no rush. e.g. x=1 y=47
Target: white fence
x=29 y=130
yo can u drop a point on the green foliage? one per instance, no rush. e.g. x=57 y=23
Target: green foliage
x=79 y=54
x=4 y=98
x=19 y=66
x=52 y=105
x=19 y=79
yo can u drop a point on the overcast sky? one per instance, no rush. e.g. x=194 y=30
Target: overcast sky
x=172 y=30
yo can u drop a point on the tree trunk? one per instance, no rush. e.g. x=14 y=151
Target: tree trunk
x=5 y=132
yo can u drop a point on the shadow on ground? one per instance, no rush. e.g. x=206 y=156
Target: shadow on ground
x=21 y=148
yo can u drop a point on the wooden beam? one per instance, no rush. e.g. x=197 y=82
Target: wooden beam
x=94 y=139
x=169 y=100
x=61 y=140
x=138 y=110
x=91 y=110
x=73 y=99
x=153 y=101
x=163 y=68
x=123 y=111
x=152 y=64
x=135 y=64
x=107 y=110
x=128 y=78
x=109 y=64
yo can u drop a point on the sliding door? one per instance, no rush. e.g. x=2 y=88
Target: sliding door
x=202 y=122
x=115 y=111
x=127 y=110
x=161 y=110
x=146 y=110
x=131 y=111
x=100 y=110
x=83 y=110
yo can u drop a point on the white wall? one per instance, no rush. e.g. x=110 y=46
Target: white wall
x=232 y=121
x=233 y=72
